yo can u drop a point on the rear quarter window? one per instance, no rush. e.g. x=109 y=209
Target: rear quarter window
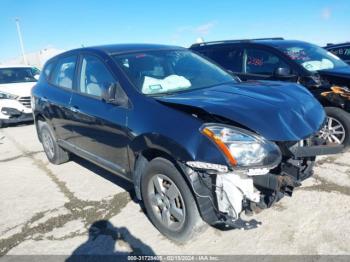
x=48 y=69
x=63 y=74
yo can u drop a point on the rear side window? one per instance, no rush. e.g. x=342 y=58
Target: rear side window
x=94 y=76
x=262 y=62
x=342 y=52
x=229 y=58
x=63 y=73
x=47 y=70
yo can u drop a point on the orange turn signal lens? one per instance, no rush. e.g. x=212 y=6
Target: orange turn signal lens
x=221 y=145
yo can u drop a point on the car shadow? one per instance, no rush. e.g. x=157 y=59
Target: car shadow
x=109 y=243
x=115 y=179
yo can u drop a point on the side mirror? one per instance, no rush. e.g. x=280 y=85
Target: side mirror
x=283 y=73
x=114 y=94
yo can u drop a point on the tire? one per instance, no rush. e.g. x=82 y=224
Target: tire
x=1 y=124
x=338 y=121
x=159 y=206
x=55 y=154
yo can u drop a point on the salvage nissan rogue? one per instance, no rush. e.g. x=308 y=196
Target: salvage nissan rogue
x=197 y=144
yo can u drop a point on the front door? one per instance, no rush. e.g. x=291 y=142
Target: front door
x=260 y=64
x=99 y=127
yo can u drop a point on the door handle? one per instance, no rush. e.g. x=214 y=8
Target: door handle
x=74 y=109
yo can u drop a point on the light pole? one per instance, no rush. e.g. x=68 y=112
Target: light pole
x=21 y=41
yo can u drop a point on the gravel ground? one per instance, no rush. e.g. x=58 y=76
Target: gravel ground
x=48 y=209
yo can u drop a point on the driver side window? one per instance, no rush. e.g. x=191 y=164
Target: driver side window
x=94 y=77
x=262 y=62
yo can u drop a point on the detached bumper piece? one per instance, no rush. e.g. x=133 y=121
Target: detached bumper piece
x=240 y=223
x=277 y=183
x=310 y=151
x=221 y=197
x=203 y=185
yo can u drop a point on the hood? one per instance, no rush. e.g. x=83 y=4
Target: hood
x=343 y=72
x=276 y=111
x=17 y=89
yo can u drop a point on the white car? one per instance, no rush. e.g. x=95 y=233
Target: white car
x=16 y=83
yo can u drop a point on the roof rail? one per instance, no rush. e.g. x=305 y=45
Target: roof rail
x=337 y=44
x=235 y=41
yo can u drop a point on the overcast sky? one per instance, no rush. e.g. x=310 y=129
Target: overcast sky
x=66 y=24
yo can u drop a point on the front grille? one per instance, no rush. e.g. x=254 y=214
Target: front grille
x=25 y=100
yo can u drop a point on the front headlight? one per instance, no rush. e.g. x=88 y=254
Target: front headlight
x=242 y=148
x=4 y=95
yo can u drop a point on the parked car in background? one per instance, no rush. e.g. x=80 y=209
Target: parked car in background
x=340 y=50
x=16 y=83
x=324 y=74
x=196 y=143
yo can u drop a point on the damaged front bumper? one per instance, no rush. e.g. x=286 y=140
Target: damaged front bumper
x=223 y=196
x=17 y=118
x=12 y=112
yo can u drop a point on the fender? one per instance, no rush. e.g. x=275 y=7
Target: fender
x=148 y=146
x=37 y=117
x=198 y=149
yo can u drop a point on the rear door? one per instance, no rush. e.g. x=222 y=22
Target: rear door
x=99 y=127
x=260 y=64
x=56 y=97
x=229 y=57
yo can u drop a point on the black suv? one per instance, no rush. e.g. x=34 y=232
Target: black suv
x=323 y=73
x=340 y=50
x=196 y=143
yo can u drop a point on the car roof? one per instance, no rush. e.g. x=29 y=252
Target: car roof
x=127 y=48
x=337 y=45
x=276 y=41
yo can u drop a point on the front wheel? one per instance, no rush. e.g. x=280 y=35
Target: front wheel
x=169 y=202
x=337 y=127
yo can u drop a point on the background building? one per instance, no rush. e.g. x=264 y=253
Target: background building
x=37 y=59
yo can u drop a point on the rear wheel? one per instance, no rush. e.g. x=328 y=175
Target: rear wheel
x=53 y=151
x=337 y=127
x=169 y=202
x=1 y=123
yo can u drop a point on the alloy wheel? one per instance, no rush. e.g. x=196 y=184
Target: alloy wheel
x=333 y=131
x=167 y=202
x=48 y=144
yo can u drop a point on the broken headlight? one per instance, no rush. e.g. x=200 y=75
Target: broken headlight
x=242 y=148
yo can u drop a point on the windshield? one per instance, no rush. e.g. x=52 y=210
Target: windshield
x=18 y=75
x=160 y=72
x=311 y=57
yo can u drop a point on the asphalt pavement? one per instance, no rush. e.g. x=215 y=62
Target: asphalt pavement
x=79 y=208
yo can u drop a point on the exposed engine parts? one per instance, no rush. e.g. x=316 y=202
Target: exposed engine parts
x=342 y=91
x=252 y=190
x=231 y=189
